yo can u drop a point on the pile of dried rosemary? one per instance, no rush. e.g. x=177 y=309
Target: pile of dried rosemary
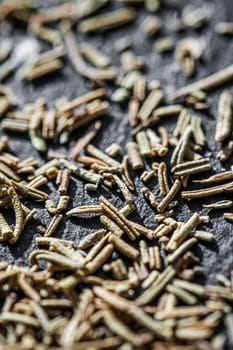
x=124 y=286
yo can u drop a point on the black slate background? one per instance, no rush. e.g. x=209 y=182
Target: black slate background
x=216 y=258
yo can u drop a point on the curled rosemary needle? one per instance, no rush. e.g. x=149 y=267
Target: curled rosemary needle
x=19 y=222
x=6 y=232
x=86 y=209
x=79 y=64
x=169 y=196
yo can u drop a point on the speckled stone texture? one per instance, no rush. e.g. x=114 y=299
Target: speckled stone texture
x=216 y=258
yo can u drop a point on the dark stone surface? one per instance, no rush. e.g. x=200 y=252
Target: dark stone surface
x=218 y=53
